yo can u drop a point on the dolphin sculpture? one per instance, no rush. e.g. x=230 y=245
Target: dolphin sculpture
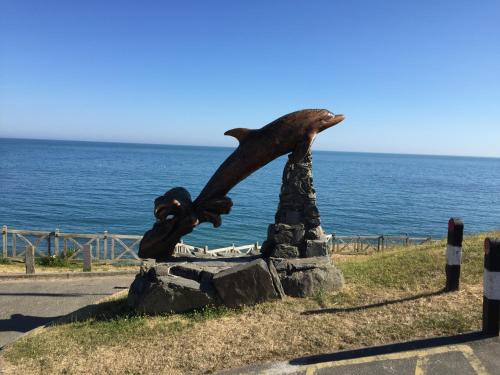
x=177 y=215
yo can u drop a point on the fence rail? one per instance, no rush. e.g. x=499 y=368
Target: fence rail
x=108 y=246
x=370 y=244
x=104 y=246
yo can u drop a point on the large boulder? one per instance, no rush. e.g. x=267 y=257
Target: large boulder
x=153 y=294
x=245 y=284
x=305 y=277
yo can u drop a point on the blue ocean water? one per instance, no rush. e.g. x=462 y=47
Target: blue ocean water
x=89 y=187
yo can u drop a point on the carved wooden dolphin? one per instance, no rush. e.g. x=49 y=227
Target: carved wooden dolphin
x=177 y=216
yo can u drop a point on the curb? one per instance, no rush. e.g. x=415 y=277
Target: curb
x=81 y=313
x=63 y=275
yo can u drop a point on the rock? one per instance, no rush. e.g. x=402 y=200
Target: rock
x=187 y=271
x=245 y=284
x=316 y=248
x=315 y=233
x=156 y=270
x=167 y=294
x=285 y=251
x=276 y=279
x=302 y=277
x=291 y=217
x=286 y=234
x=308 y=282
x=266 y=248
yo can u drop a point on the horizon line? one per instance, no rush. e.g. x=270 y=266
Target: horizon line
x=228 y=147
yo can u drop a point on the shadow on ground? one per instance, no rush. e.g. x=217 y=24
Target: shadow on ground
x=44 y=294
x=373 y=305
x=24 y=323
x=392 y=348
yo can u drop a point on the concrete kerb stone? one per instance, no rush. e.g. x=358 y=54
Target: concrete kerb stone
x=79 y=314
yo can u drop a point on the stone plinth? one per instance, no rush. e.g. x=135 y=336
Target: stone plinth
x=297 y=229
x=188 y=283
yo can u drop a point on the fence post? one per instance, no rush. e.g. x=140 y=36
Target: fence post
x=105 y=244
x=14 y=244
x=97 y=247
x=87 y=258
x=29 y=259
x=491 y=285
x=65 y=247
x=205 y=250
x=4 y=241
x=454 y=254
x=56 y=241
x=49 y=243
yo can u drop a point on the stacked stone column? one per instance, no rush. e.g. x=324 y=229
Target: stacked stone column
x=297 y=229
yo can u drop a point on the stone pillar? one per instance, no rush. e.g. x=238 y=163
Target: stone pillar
x=297 y=229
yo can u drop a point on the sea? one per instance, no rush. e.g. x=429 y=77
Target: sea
x=90 y=187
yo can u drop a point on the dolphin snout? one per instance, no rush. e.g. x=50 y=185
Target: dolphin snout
x=329 y=119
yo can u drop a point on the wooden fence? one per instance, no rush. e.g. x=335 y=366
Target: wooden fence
x=108 y=246
x=105 y=246
x=370 y=244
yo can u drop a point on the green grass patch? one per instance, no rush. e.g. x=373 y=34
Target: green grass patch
x=61 y=260
x=417 y=267
x=5 y=260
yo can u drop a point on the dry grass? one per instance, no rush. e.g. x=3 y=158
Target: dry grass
x=18 y=267
x=403 y=285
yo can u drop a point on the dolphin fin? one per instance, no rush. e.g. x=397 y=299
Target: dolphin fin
x=239 y=133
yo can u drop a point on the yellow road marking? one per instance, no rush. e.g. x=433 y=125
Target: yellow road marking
x=465 y=349
x=421 y=365
x=474 y=361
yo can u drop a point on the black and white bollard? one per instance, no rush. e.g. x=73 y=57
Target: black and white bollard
x=491 y=293
x=454 y=254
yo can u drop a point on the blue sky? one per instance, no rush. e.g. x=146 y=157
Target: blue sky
x=410 y=76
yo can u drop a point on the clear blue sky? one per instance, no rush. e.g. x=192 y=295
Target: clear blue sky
x=410 y=76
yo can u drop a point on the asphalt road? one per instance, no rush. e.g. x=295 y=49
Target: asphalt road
x=466 y=354
x=27 y=304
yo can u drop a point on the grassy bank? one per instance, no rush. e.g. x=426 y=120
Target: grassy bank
x=389 y=297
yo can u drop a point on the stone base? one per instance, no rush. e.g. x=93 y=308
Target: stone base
x=306 y=276
x=188 y=283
